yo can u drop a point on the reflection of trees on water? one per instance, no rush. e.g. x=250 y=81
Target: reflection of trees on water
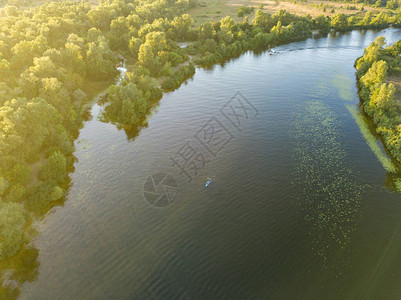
x=23 y=267
x=392 y=181
x=16 y=271
x=131 y=130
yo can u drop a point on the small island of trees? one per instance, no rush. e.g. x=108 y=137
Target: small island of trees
x=378 y=95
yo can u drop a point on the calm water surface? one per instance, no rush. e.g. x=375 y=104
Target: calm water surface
x=299 y=206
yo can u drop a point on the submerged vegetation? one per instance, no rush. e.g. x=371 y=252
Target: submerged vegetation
x=344 y=86
x=330 y=199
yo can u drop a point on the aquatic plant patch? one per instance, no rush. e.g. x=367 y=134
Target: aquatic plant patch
x=344 y=86
x=329 y=195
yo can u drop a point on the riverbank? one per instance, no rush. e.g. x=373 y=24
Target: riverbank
x=378 y=78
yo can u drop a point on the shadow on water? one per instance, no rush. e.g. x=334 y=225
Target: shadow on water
x=131 y=131
x=23 y=267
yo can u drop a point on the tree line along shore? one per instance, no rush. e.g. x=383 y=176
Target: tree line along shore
x=55 y=56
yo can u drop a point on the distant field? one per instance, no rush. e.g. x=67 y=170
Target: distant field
x=94 y=2
x=27 y=4
x=214 y=10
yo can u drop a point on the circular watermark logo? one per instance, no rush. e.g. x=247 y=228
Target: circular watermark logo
x=160 y=189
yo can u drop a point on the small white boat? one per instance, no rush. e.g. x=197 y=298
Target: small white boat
x=208 y=181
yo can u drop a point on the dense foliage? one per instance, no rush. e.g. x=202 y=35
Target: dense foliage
x=51 y=54
x=47 y=54
x=377 y=95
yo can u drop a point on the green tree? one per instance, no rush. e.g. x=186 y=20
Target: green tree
x=100 y=60
x=134 y=45
x=55 y=169
x=339 y=21
x=263 y=20
x=383 y=97
x=94 y=34
x=19 y=174
x=182 y=26
x=366 y=19
x=207 y=31
x=381 y=20
x=322 y=23
x=12 y=220
x=157 y=40
x=118 y=35
x=25 y=126
x=147 y=59
x=25 y=51
x=376 y=74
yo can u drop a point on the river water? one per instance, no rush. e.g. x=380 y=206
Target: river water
x=299 y=206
